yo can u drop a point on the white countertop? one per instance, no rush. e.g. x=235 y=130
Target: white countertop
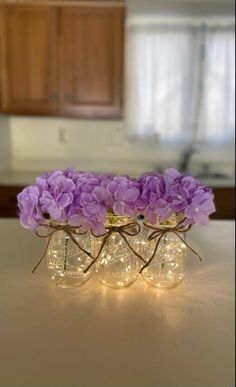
x=94 y=336
x=23 y=178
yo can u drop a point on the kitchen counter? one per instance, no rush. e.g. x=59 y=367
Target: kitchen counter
x=11 y=183
x=93 y=336
x=18 y=178
x=22 y=178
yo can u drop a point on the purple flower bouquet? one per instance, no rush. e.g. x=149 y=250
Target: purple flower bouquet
x=171 y=203
x=93 y=219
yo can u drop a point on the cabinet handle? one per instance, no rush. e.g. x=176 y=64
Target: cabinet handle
x=53 y=97
x=68 y=97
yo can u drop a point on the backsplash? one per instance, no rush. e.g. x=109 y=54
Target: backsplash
x=39 y=144
x=45 y=143
x=4 y=144
x=53 y=138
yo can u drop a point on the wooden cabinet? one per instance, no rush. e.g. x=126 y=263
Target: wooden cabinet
x=8 y=201
x=91 y=48
x=224 y=202
x=65 y=60
x=28 y=60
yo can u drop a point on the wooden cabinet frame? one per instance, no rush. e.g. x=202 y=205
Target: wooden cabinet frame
x=32 y=104
x=63 y=93
x=77 y=67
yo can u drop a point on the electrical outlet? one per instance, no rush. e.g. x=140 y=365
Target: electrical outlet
x=118 y=138
x=63 y=136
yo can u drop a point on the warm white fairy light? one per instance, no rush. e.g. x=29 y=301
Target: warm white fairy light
x=118 y=266
x=66 y=266
x=168 y=266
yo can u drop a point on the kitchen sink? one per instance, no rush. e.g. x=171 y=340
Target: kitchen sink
x=213 y=175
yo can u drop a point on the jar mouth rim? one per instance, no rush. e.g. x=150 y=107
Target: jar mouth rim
x=172 y=221
x=110 y=215
x=51 y=221
x=55 y=223
x=118 y=220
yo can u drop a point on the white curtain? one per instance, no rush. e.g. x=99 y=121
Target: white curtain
x=180 y=81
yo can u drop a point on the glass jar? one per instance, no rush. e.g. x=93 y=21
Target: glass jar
x=66 y=262
x=167 y=268
x=117 y=265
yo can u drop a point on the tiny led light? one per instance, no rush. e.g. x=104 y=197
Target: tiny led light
x=117 y=266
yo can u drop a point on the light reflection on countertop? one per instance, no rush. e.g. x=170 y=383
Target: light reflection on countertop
x=136 y=337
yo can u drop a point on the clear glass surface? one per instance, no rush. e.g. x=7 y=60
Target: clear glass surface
x=117 y=265
x=168 y=266
x=66 y=262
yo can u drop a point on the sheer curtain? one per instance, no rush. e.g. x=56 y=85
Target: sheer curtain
x=180 y=81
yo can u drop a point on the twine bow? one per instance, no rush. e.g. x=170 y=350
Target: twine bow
x=160 y=232
x=70 y=231
x=131 y=229
x=128 y=230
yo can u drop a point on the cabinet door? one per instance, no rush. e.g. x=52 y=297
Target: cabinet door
x=91 y=61
x=8 y=201
x=224 y=202
x=28 y=64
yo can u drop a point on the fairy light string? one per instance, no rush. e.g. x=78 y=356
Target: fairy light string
x=131 y=229
x=159 y=233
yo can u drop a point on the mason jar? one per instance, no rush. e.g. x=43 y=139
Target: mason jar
x=168 y=266
x=117 y=265
x=66 y=262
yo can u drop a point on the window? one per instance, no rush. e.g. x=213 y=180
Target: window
x=181 y=81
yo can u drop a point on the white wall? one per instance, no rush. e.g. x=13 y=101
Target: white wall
x=181 y=7
x=36 y=137
x=98 y=145
x=43 y=143
x=4 y=143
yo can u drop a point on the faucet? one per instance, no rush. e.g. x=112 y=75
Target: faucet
x=186 y=157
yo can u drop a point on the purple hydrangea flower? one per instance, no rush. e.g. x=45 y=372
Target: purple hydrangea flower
x=84 y=199
x=91 y=202
x=173 y=192
x=124 y=193
x=30 y=212
x=200 y=206
x=57 y=197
